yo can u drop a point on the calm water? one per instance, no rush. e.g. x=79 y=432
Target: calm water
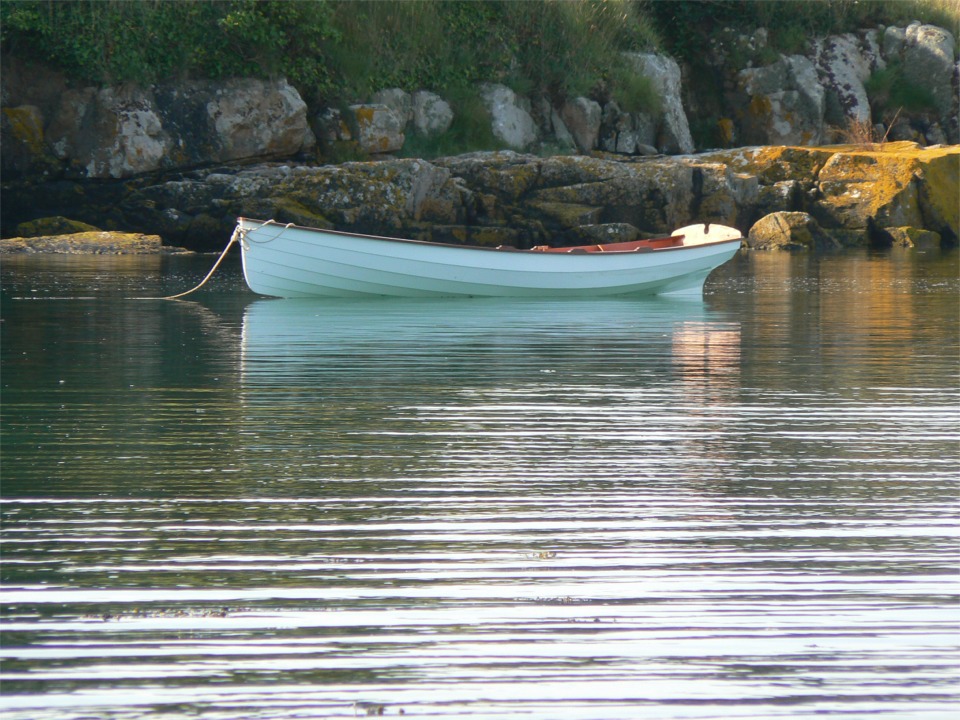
x=236 y=507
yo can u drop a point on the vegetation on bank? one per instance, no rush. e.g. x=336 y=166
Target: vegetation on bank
x=340 y=51
x=791 y=23
x=343 y=49
x=337 y=49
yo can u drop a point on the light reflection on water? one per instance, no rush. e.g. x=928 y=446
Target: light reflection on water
x=251 y=508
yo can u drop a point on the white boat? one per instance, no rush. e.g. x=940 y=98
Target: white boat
x=293 y=261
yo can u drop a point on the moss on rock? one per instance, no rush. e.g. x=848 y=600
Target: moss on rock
x=567 y=215
x=775 y=163
x=288 y=210
x=939 y=191
x=56 y=225
x=25 y=149
x=914 y=238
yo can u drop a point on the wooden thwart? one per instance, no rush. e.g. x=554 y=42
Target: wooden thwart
x=632 y=246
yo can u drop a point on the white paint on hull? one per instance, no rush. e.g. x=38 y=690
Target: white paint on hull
x=291 y=261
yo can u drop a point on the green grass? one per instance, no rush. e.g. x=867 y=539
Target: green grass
x=335 y=49
x=346 y=49
x=471 y=130
x=889 y=90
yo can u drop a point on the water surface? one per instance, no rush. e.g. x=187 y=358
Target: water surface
x=236 y=507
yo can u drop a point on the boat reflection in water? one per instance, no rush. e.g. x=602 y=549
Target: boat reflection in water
x=482 y=387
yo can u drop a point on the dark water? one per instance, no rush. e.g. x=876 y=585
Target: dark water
x=233 y=507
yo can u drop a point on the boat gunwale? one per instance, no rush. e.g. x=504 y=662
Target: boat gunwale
x=501 y=249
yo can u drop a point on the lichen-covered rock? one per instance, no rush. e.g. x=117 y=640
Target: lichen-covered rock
x=470 y=235
x=939 y=189
x=782 y=196
x=581 y=116
x=844 y=63
x=720 y=192
x=25 y=151
x=565 y=170
x=673 y=134
x=511 y=120
x=375 y=197
x=85 y=243
x=855 y=192
x=287 y=210
x=430 y=113
x=400 y=101
x=379 y=130
x=654 y=196
x=113 y=132
x=607 y=233
x=784 y=103
x=858 y=188
x=926 y=55
x=883 y=186
x=788 y=231
x=508 y=175
x=627 y=133
x=928 y=62
x=57 y=225
x=775 y=163
x=566 y=215
x=125 y=131
x=914 y=238
x=258 y=118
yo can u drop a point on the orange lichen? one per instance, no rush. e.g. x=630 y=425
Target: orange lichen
x=882 y=182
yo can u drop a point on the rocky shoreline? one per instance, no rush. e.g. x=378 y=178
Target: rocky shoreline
x=817 y=198
x=99 y=242
x=182 y=160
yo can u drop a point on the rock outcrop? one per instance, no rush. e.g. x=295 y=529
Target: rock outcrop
x=126 y=131
x=431 y=114
x=109 y=133
x=49 y=226
x=820 y=95
x=819 y=197
x=844 y=64
x=378 y=129
x=85 y=243
x=857 y=193
x=783 y=103
x=510 y=114
x=581 y=117
x=250 y=119
x=673 y=131
x=928 y=54
x=789 y=231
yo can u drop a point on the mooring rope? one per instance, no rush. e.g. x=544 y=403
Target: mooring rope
x=239 y=235
x=233 y=238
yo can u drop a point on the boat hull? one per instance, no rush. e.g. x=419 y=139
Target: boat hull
x=291 y=261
